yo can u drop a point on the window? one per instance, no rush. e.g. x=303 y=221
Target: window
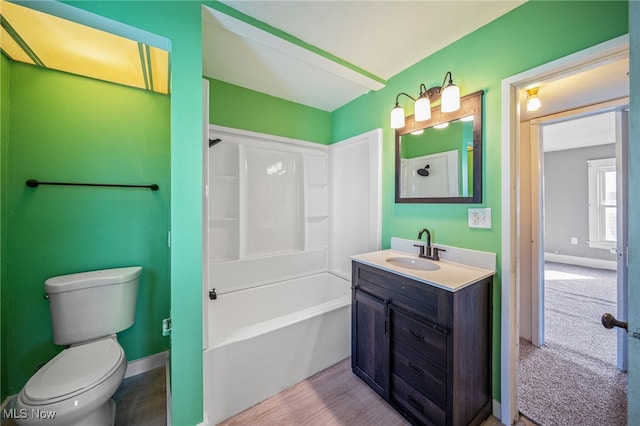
x=602 y=203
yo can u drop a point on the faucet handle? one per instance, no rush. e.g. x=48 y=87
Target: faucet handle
x=436 y=252
x=421 y=247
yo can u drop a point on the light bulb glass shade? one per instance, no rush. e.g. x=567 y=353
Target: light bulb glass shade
x=422 y=109
x=397 y=117
x=533 y=103
x=450 y=98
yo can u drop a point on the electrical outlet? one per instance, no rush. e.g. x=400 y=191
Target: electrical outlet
x=480 y=218
x=166 y=327
x=574 y=240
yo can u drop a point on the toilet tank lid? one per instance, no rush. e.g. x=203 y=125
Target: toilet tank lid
x=91 y=279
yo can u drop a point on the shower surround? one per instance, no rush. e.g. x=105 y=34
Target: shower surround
x=282 y=218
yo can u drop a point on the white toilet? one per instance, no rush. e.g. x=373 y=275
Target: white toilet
x=76 y=386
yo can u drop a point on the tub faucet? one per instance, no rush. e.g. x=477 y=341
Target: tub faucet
x=426 y=250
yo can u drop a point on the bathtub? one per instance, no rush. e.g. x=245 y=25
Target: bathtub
x=265 y=339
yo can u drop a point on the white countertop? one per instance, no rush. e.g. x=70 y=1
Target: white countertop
x=451 y=276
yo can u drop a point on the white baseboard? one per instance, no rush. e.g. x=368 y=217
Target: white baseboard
x=497 y=409
x=145 y=364
x=581 y=261
x=8 y=402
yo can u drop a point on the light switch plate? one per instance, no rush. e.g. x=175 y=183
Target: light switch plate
x=480 y=218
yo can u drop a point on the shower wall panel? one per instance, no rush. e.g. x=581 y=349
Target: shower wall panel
x=268 y=209
x=224 y=206
x=273 y=201
x=355 y=185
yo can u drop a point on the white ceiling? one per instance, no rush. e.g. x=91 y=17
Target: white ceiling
x=587 y=87
x=592 y=130
x=381 y=37
x=591 y=86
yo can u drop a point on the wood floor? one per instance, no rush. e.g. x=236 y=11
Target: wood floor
x=334 y=396
x=142 y=400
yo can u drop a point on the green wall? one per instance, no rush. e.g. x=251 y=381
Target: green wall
x=480 y=60
x=4 y=146
x=241 y=108
x=74 y=129
x=532 y=34
x=180 y=23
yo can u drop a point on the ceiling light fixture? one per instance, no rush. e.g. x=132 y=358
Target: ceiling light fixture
x=450 y=101
x=533 y=101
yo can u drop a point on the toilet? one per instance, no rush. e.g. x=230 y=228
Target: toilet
x=75 y=387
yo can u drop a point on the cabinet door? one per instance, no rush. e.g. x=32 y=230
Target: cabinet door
x=370 y=341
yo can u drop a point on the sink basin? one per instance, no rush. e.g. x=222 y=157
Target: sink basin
x=413 y=263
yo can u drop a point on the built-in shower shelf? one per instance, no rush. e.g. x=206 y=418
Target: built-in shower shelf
x=223 y=177
x=223 y=220
x=223 y=259
x=317 y=217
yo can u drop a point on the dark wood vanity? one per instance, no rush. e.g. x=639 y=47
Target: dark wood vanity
x=424 y=349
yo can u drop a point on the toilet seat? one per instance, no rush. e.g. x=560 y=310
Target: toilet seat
x=73 y=371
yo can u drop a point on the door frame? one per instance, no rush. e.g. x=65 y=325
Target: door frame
x=537 y=216
x=589 y=58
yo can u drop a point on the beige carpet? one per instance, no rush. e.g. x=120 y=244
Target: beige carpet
x=575 y=299
x=334 y=396
x=573 y=379
x=559 y=390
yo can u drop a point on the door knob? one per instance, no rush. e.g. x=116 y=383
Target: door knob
x=609 y=321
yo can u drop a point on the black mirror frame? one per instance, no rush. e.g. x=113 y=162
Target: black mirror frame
x=469 y=105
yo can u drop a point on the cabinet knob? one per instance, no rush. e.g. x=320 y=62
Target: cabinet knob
x=419 y=371
x=416 y=404
x=416 y=336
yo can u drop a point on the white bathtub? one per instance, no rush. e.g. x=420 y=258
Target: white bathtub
x=265 y=339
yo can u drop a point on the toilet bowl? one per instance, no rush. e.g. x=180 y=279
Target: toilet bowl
x=75 y=387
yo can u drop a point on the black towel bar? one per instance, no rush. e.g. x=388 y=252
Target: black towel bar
x=33 y=183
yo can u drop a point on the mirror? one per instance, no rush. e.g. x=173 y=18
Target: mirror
x=440 y=160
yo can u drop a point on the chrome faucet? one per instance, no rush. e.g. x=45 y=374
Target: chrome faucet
x=426 y=251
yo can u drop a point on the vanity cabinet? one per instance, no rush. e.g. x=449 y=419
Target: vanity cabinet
x=424 y=349
x=371 y=349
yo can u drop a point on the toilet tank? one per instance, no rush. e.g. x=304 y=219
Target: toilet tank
x=90 y=305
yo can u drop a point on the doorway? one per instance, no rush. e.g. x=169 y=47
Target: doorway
x=583 y=193
x=514 y=242
x=568 y=357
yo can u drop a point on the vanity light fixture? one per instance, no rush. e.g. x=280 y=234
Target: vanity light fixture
x=450 y=101
x=533 y=101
